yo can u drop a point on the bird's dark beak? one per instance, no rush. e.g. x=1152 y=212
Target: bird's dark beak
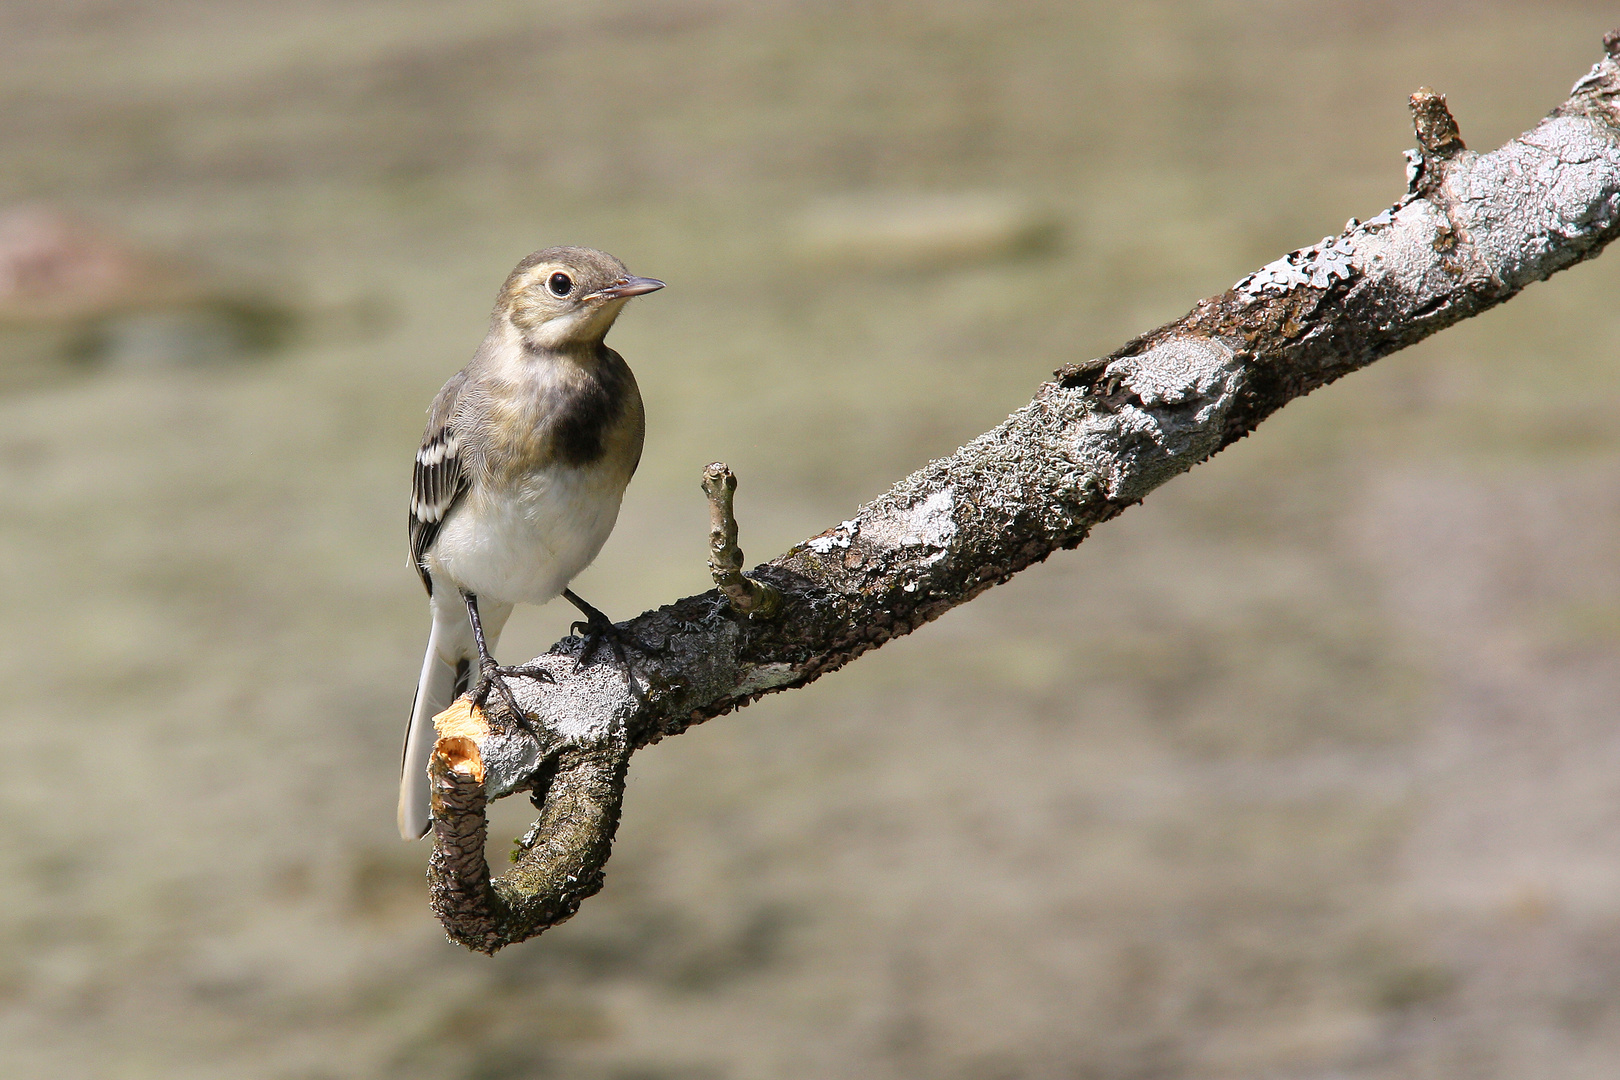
x=627 y=287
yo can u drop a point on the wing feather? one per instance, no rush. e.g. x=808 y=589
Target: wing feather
x=439 y=480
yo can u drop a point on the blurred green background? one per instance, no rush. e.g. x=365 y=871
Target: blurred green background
x=1306 y=768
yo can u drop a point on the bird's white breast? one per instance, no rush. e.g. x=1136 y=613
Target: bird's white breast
x=525 y=542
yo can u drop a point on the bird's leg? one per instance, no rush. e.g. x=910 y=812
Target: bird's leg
x=491 y=676
x=489 y=673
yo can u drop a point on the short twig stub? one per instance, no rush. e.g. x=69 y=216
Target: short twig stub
x=1437 y=130
x=751 y=598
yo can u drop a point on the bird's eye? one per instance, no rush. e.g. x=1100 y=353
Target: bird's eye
x=559 y=284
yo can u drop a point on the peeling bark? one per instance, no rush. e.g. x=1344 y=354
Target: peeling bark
x=1471 y=231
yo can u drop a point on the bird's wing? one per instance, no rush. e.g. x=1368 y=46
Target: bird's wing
x=440 y=479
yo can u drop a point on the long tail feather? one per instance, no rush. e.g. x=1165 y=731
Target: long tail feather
x=448 y=669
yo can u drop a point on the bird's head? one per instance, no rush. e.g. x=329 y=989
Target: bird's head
x=566 y=297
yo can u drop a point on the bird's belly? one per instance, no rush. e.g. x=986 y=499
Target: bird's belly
x=524 y=544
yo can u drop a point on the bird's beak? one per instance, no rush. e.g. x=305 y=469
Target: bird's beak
x=627 y=287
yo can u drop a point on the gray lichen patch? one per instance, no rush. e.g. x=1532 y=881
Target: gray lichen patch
x=1486 y=222
x=509 y=761
x=1396 y=253
x=1555 y=187
x=1318 y=266
x=1176 y=372
x=923 y=528
x=1182 y=388
x=834 y=538
x=929 y=524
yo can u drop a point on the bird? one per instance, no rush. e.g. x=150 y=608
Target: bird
x=517 y=484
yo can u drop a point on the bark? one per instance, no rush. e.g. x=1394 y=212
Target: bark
x=1470 y=232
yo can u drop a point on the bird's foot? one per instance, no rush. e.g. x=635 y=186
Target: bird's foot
x=596 y=628
x=596 y=631
x=492 y=677
x=616 y=639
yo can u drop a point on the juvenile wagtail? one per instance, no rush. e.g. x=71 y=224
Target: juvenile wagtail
x=527 y=453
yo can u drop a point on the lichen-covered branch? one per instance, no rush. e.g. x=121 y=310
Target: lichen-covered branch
x=747 y=597
x=1470 y=232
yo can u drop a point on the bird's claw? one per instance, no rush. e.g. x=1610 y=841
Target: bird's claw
x=493 y=677
x=528 y=671
x=595 y=633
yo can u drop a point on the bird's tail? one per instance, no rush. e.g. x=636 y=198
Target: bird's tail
x=450 y=666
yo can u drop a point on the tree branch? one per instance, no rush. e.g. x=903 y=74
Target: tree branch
x=1471 y=232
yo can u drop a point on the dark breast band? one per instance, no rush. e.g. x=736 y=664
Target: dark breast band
x=590 y=411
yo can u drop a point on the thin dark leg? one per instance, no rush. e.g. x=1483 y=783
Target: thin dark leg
x=492 y=676
x=595 y=620
x=478 y=629
x=596 y=629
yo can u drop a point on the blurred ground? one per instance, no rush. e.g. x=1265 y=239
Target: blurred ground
x=1307 y=768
